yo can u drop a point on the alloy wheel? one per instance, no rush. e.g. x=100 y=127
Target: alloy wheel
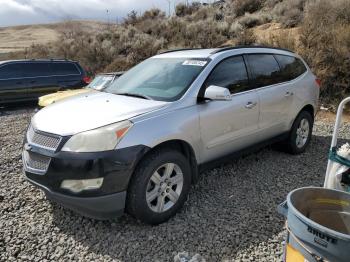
x=302 y=133
x=164 y=187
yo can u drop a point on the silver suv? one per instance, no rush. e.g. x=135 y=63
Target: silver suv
x=138 y=145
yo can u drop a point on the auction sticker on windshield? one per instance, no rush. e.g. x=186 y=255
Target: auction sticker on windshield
x=195 y=62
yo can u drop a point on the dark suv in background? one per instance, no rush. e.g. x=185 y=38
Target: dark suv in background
x=26 y=80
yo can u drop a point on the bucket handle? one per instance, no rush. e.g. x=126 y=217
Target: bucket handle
x=283 y=208
x=316 y=257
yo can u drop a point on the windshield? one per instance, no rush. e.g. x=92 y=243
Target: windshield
x=164 y=79
x=100 y=82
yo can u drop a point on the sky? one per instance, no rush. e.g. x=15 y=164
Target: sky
x=20 y=12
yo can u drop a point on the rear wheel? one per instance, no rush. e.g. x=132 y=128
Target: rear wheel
x=300 y=134
x=159 y=186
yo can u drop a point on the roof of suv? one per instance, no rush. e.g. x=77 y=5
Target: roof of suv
x=38 y=60
x=206 y=53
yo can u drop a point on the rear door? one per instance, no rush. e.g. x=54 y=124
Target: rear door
x=12 y=84
x=275 y=98
x=67 y=75
x=227 y=126
x=39 y=79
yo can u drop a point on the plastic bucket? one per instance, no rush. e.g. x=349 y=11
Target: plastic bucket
x=318 y=224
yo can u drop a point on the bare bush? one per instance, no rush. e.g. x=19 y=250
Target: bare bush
x=283 y=39
x=271 y=3
x=131 y=18
x=203 y=34
x=152 y=14
x=235 y=29
x=203 y=13
x=325 y=44
x=70 y=29
x=246 y=6
x=183 y=9
x=245 y=37
x=289 y=12
x=251 y=20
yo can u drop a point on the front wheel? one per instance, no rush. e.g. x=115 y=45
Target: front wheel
x=159 y=186
x=300 y=134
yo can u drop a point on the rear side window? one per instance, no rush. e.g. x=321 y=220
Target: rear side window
x=265 y=69
x=230 y=73
x=64 y=69
x=10 y=71
x=291 y=67
x=36 y=69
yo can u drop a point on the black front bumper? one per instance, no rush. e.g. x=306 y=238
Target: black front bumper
x=116 y=167
x=101 y=207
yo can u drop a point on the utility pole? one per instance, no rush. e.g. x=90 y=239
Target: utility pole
x=169 y=2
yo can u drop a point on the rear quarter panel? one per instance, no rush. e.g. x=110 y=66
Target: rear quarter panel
x=306 y=92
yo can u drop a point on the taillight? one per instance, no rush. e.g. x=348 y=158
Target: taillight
x=318 y=82
x=87 y=79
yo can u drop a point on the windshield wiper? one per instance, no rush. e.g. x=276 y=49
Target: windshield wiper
x=135 y=95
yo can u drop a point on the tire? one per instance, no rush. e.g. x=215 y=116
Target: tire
x=146 y=183
x=300 y=134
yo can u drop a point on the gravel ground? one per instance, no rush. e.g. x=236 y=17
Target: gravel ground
x=230 y=214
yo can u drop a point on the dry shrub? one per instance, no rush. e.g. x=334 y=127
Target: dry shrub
x=69 y=29
x=289 y=12
x=182 y=9
x=325 y=44
x=175 y=30
x=131 y=18
x=203 y=34
x=271 y=3
x=241 y=7
x=245 y=37
x=152 y=14
x=120 y=63
x=283 y=39
x=203 y=13
x=251 y=20
x=235 y=29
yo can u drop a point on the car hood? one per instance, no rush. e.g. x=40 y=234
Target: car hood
x=52 y=98
x=89 y=111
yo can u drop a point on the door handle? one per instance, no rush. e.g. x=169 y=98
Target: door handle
x=287 y=94
x=250 y=105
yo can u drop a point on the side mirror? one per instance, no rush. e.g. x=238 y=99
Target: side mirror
x=217 y=93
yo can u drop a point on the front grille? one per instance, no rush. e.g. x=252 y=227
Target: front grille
x=46 y=141
x=36 y=163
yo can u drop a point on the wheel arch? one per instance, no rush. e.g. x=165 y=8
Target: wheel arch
x=308 y=108
x=184 y=148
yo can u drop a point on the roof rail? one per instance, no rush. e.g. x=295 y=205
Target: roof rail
x=180 y=49
x=48 y=59
x=247 y=46
x=60 y=59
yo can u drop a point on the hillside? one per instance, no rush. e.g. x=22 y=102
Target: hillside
x=318 y=30
x=18 y=38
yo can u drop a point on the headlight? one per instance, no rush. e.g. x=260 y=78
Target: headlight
x=101 y=139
